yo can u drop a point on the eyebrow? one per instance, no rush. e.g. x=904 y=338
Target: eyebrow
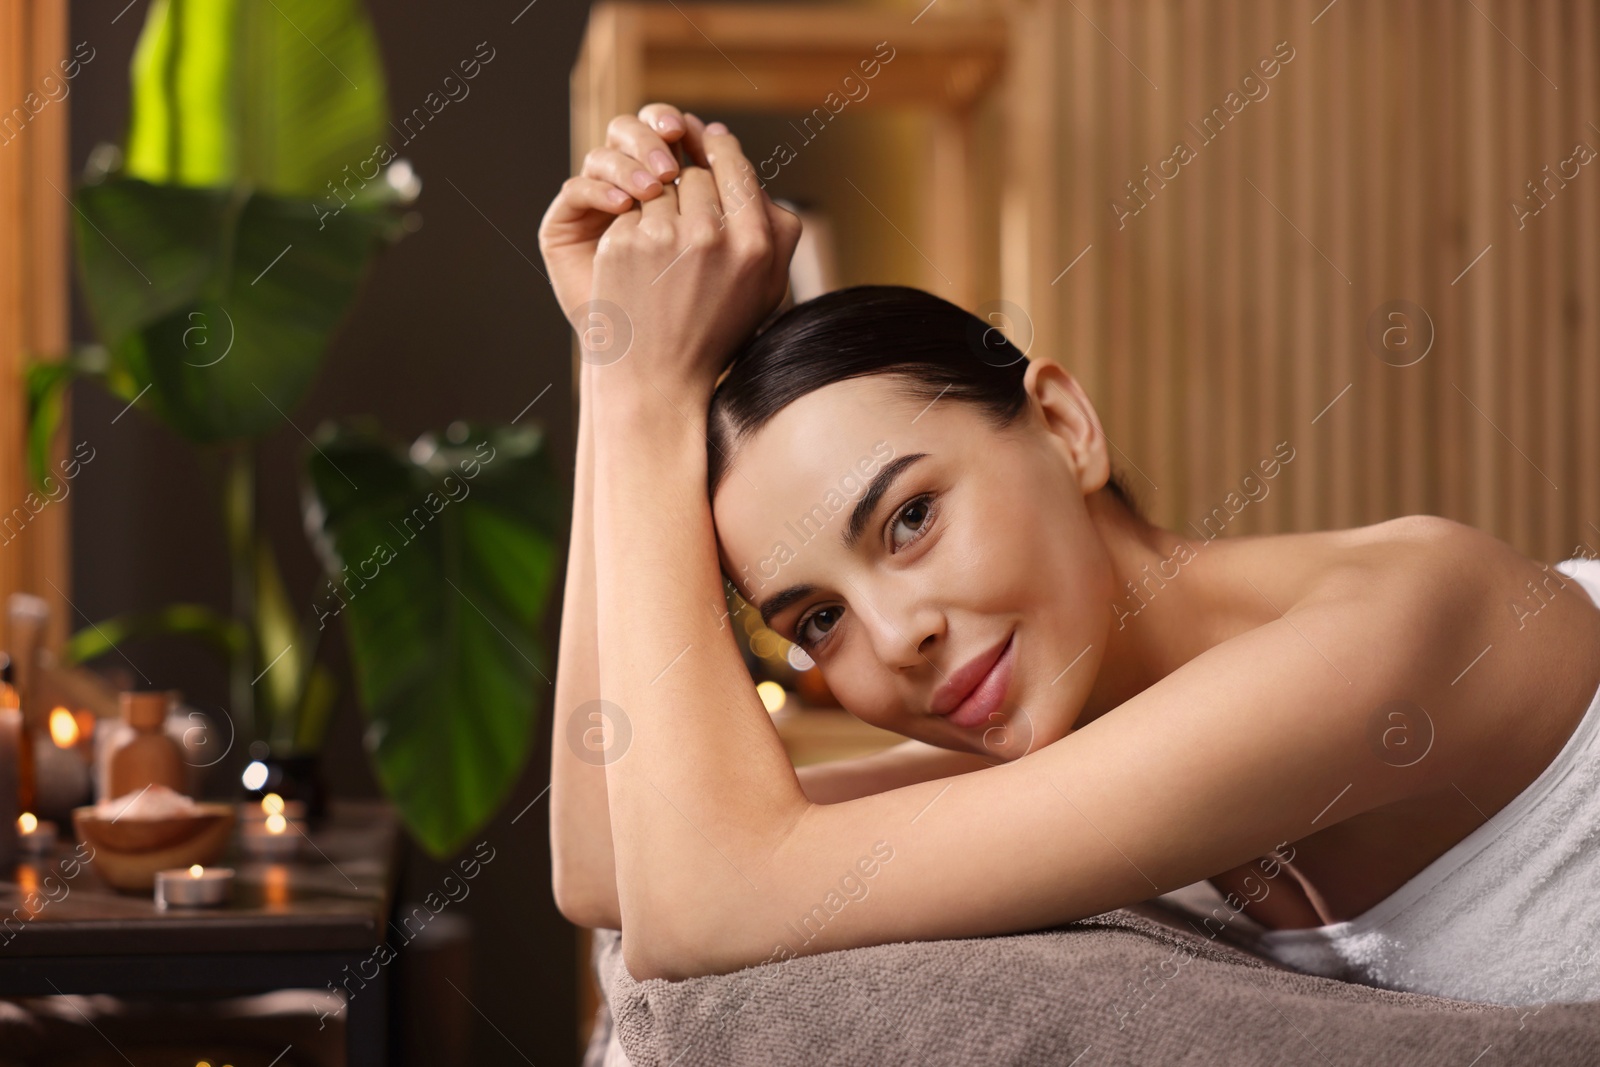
x=869 y=500
x=859 y=517
x=779 y=601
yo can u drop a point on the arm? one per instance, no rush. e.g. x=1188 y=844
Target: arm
x=904 y=764
x=583 y=868
x=583 y=864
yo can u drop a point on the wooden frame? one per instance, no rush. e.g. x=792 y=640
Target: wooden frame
x=34 y=293
x=694 y=55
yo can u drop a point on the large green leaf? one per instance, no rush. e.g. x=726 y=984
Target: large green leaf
x=221 y=305
x=219 y=260
x=440 y=560
x=278 y=96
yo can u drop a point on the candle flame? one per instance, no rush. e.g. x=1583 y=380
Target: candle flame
x=272 y=804
x=63 y=728
x=196 y=871
x=27 y=822
x=276 y=823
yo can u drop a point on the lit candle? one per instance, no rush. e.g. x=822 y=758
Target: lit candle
x=61 y=763
x=270 y=805
x=63 y=728
x=36 y=838
x=274 y=837
x=196 y=887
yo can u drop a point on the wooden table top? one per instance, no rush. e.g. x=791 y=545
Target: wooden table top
x=336 y=896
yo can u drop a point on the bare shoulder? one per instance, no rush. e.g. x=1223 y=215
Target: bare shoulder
x=1494 y=652
x=1436 y=578
x=1475 y=586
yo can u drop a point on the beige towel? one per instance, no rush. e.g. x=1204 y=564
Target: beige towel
x=1137 y=986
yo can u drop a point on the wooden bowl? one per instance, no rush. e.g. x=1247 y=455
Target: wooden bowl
x=128 y=852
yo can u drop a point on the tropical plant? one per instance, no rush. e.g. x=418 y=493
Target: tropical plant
x=219 y=250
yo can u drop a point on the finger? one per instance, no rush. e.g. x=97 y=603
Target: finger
x=737 y=185
x=633 y=136
x=693 y=143
x=621 y=170
x=628 y=220
x=697 y=194
x=664 y=206
x=786 y=230
x=666 y=120
x=580 y=195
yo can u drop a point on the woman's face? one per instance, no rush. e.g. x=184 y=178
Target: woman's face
x=908 y=546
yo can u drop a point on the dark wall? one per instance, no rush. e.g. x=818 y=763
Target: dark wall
x=453 y=322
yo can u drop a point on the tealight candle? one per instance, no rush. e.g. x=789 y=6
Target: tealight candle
x=270 y=805
x=36 y=838
x=272 y=838
x=194 y=887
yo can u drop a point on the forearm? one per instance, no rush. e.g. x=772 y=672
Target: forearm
x=583 y=863
x=907 y=763
x=705 y=792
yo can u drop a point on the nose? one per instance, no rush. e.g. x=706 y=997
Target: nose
x=904 y=628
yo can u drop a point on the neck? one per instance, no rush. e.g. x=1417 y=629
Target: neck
x=1167 y=603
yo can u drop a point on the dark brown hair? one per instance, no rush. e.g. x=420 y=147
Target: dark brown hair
x=936 y=349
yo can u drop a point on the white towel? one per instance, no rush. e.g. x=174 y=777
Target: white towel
x=1509 y=915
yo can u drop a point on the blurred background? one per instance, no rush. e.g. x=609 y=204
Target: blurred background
x=1357 y=237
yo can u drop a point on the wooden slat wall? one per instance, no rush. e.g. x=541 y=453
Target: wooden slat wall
x=33 y=289
x=1233 y=309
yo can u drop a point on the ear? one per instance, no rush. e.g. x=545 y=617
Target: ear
x=1070 y=421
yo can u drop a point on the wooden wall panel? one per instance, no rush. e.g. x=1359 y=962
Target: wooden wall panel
x=33 y=289
x=1232 y=309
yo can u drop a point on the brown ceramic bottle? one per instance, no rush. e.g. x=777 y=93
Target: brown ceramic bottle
x=147 y=756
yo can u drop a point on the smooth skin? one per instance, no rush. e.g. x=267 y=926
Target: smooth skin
x=1232 y=717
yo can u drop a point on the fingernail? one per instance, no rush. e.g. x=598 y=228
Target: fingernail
x=618 y=197
x=643 y=180
x=716 y=127
x=662 y=162
x=669 y=124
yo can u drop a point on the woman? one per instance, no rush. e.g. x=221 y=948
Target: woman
x=1333 y=728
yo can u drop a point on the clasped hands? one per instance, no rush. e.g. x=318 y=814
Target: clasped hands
x=690 y=260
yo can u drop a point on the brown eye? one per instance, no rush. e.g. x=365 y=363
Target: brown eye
x=913 y=519
x=815 y=627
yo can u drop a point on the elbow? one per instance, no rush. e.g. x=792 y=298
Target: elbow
x=684 y=949
x=649 y=954
x=646 y=964
x=582 y=903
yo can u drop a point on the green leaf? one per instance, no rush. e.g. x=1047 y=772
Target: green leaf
x=441 y=561
x=279 y=651
x=311 y=722
x=221 y=307
x=47 y=381
x=278 y=96
x=195 y=620
x=47 y=388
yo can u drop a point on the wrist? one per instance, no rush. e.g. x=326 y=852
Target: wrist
x=641 y=409
x=623 y=396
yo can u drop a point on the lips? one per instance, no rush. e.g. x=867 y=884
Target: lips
x=971 y=694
